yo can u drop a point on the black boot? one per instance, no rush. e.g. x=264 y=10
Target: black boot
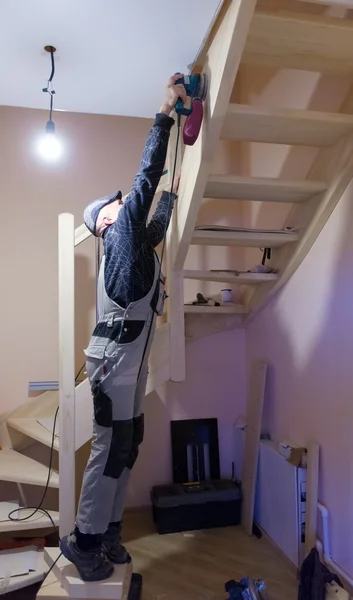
x=112 y=547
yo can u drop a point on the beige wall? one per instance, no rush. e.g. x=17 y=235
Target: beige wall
x=306 y=332
x=102 y=154
x=306 y=335
x=214 y=387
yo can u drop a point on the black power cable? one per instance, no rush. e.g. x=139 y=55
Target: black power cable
x=39 y=508
x=164 y=237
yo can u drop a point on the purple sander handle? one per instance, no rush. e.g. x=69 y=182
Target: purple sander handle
x=193 y=123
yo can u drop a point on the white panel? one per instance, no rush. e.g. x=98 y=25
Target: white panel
x=276 y=503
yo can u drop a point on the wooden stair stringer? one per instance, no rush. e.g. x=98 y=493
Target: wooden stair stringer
x=221 y=64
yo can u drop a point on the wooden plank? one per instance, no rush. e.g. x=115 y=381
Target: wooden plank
x=285 y=125
x=311 y=219
x=241 y=238
x=81 y=234
x=252 y=440
x=312 y=490
x=30 y=427
x=224 y=277
x=232 y=309
x=221 y=66
x=297 y=41
x=264 y=189
x=38 y=521
x=159 y=354
x=175 y=282
x=84 y=408
x=43 y=405
x=66 y=284
x=18 y=468
x=24 y=581
x=345 y=3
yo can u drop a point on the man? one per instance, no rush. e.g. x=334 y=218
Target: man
x=130 y=296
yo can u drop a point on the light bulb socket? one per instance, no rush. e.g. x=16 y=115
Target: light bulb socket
x=50 y=127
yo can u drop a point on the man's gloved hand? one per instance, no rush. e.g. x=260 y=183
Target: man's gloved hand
x=172 y=93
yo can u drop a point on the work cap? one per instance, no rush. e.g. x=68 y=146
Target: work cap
x=91 y=212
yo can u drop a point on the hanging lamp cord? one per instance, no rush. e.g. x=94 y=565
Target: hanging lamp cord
x=49 y=89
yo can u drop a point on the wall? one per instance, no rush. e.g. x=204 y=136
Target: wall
x=306 y=332
x=306 y=335
x=102 y=154
x=214 y=387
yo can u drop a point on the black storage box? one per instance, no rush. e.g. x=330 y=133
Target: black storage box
x=187 y=507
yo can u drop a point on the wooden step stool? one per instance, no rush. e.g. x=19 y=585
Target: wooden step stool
x=65 y=582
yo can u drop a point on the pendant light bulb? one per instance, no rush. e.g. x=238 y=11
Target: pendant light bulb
x=49 y=146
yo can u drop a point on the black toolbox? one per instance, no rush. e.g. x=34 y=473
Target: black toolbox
x=191 y=506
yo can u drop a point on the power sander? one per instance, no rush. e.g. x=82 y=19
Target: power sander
x=196 y=87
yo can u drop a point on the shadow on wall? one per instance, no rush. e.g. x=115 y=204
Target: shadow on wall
x=306 y=336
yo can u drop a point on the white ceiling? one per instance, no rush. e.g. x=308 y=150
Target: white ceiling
x=113 y=56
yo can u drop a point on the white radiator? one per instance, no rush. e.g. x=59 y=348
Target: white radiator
x=280 y=501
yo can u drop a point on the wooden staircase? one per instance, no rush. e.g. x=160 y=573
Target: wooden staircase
x=241 y=35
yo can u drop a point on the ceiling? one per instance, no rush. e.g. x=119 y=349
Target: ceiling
x=113 y=56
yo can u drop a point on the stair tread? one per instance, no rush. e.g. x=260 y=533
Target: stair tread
x=298 y=41
x=19 y=468
x=257 y=239
x=223 y=276
x=38 y=521
x=265 y=189
x=30 y=427
x=285 y=125
x=234 y=309
x=22 y=581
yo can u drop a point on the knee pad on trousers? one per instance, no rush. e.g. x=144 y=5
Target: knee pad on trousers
x=103 y=409
x=139 y=427
x=120 y=448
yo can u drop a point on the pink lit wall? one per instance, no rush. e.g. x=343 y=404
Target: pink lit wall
x=102 y=154
x=306 y=333
x=214 y=387
x=306 y=336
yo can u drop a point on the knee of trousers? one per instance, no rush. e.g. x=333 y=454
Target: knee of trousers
x=138 y=433
x=122 y=438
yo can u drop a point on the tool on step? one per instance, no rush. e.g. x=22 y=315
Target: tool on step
x=196 y=87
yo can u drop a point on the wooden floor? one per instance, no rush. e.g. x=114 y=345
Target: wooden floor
x=195 y=566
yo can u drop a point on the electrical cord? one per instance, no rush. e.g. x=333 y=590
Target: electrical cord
x=39 y=508
x=164 y=234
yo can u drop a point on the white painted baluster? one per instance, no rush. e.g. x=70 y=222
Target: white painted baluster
x=66 y=372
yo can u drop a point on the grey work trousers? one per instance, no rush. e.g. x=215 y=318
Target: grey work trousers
x=118 y=386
